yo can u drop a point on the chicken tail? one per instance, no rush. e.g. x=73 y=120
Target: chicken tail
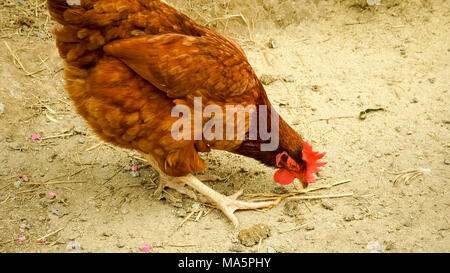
x=58 y=7
x=78 y=44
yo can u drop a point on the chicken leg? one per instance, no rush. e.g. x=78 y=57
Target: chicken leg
x=227 y=204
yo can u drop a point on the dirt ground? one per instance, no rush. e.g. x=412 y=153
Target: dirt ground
x=322 y=62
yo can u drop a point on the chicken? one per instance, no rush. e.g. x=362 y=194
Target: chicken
x=131 y=64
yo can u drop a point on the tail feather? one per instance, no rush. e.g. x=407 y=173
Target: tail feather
x=57 y=9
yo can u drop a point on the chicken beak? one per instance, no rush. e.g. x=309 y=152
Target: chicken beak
x=302 y=181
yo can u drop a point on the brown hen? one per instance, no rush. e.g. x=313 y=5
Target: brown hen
x=128 y=63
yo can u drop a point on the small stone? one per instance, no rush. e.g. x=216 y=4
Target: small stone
x=267 y=79
x=432 y=80
x=414 y=100
x=374 y=247
x=389 y=245
x=309 y=227
x=124 y=211
x=271 y=250
x=51 y=158
x=58 y=210
x=348 y=218
x=292 y=208
x=307 y=236
x=17 y=183
x=135 y=174
x=407 y=224
x=73 y=247
x=378 y=155
x=280 y=190
x=236 y=248
x=327 y=204
x=81 y=141
x=289 y=78
x=120 y=245
x=447 y=161
x=8 y=139
x=2 y=108
x=409 y=133
x=272 y=43
x=253 y=235
x=195 y=206
x=181 y=212
x=446 y=121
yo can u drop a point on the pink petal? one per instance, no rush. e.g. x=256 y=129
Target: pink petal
x=145 y=248
x=134 y=168
x=52 y=194
x=20 y=239
x=22 y=229
x=36 y=137
x=42 y=240
x=401 y=148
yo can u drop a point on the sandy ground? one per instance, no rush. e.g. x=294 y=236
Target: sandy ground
x=330 y=62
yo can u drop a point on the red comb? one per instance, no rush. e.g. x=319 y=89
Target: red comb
x=311 y=159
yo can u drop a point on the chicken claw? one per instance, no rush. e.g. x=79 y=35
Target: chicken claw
x=227 y=204
x=171 y=182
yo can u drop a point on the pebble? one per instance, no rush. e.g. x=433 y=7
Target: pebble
x=253 y=235
x=51 y=158
x=120 y=245
x=236 y=248
x=271 y=250
x=267 y=79
x=349 y=218
x=292 y=208
x=195 y=206
x=272 y=43
x=446 y=161
x=446 y=121
x=280 y=190
x=58 y=210
x=375 y=247
x=181 y=212
x=327 y=204
x=134 y=174
x=414 y=100
x=73 y=247
x=378 y=155
x=2 y=108
x=389 y=245
x=17 y=183
x=124 y=211
x=289 y=78
x=309 y=227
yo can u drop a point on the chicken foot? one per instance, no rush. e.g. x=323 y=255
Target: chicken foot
x=227 y=204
